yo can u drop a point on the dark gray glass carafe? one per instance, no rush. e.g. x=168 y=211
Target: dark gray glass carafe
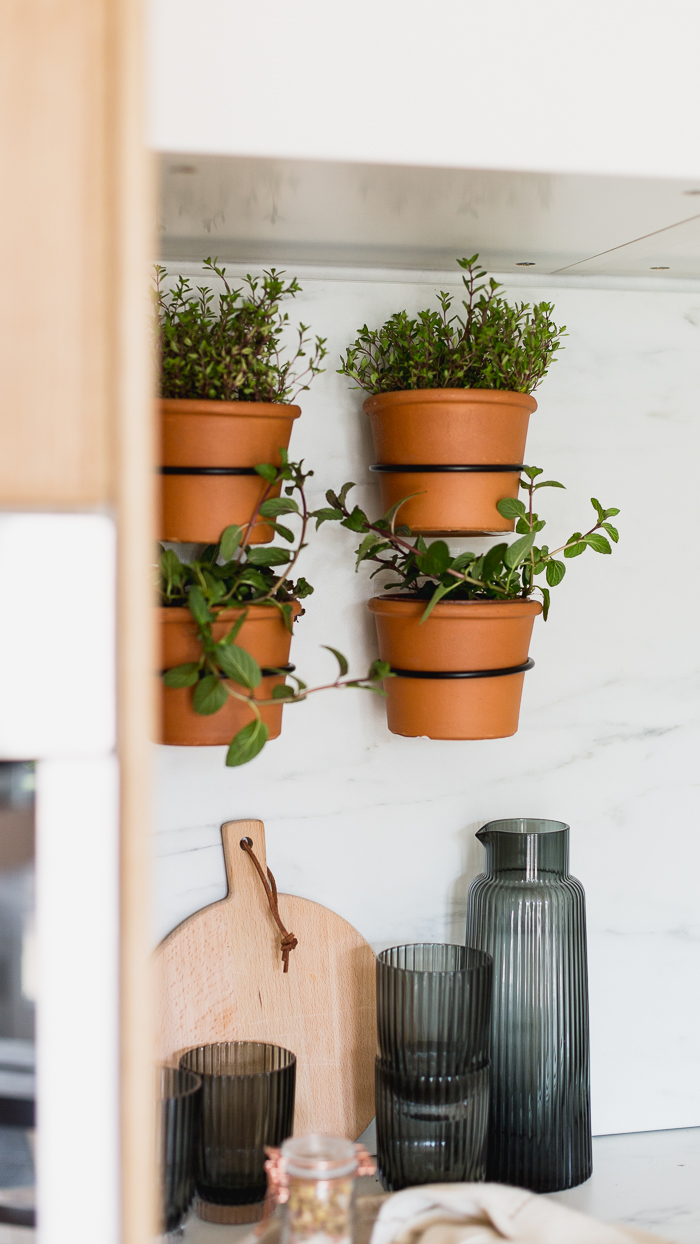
x=529 y=914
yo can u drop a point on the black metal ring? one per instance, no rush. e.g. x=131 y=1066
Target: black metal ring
x=499 y=468
x=177 y=470
x=265 y=671
x=512 y=669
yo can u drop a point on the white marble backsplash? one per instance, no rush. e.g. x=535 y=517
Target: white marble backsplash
x=381 y=828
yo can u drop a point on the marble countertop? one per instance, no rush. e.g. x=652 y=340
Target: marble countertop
x=649 y=1180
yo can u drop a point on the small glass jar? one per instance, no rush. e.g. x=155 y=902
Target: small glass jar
x=315 y=1183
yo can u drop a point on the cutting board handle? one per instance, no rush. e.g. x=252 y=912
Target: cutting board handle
x=240 y=874
x=244 y=881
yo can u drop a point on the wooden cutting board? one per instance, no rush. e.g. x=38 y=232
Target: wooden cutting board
x=219 y=977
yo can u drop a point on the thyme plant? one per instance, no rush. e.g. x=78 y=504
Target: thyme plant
x=234 y=574
x=230 y=349
x=492 y=345
x=505 y=572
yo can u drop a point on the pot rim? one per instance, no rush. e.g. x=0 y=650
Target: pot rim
x=262 y=612
x=403 y=606
x=485 y=397
x=248 y=410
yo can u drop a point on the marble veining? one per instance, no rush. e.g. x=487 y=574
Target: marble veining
x=381 y=828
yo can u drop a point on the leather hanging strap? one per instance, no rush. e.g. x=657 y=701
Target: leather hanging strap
x=289 y=941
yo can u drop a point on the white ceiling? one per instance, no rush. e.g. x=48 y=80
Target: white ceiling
x=305 y=211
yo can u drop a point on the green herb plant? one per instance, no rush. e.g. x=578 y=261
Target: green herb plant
x=506 y=572
x=231 y=350
x=492 y=345
x=236 y=574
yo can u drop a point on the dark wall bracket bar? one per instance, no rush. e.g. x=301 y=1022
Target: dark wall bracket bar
x=184 y=470
x=498 y=469
x=266 y=673
x=512 y=669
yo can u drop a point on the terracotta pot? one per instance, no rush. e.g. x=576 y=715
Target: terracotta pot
x=218 y=435
x=450 y=427
x=263 y=634
x=457 y=426
x=450 y=503
x=458 y=636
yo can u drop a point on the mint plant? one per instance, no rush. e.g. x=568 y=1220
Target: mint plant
x=234 y=574
x=230 y=349
x=493 y=345
x=506 y=572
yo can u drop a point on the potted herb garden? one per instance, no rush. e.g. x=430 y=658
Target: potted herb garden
x=455 y=629
x=226 y=623
x=450 y=400
x=227 y=398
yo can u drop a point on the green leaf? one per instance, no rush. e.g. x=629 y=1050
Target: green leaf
x=209 y=695
x=268 y=472
x=555 y=572
x=357 y=521
x=612 y=532
x=238 y=665
x=278 y=505
x=394 y=509
x=342 y=662
x=435 y=561
x=283 y=692
x=247 y=744
x=575 y=545
x=532 y=472
x=344 y=492
x=598 y=543
x=597 y=507
x=612 y=512
x=523 y=527
x=511 y=507
x=463 y=560
x=493 y=560
x=198 y=606
x=230 y=540
x=379 y=670
x=284 y=532
x=371 y=544
x=182 y=675
x=517 y=552
x=545 y=603
x=326 y=515
x=230 y=636
x=260 y=556
x=548 y=483
x=441 y=590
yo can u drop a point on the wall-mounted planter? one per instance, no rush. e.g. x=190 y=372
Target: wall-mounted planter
x=460 y=674
x=209 y=452
x=460 y=449
x=263 y=634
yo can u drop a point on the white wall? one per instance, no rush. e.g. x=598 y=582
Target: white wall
x=381 y=828
x=609 y=86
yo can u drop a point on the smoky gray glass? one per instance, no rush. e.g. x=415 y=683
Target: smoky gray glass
x=529 y=914
x=177 y=1120
x=247 y=1103
x=434 y=1008
x=431 y=1129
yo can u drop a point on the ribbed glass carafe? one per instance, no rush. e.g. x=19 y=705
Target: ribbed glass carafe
x=529 y=914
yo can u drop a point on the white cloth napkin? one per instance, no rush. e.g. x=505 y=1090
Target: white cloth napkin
x=484 y=1213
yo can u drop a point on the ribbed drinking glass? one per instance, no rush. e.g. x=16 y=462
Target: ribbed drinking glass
x=177 y=1120
x=528 y=913
x=247 y=1103
x=431 y=1129
x=434 y=1008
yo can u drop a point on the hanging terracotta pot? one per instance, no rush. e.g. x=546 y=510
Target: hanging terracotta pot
x=263 y=634
x=460 y=673
x=209 y=454
x=461 y=450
